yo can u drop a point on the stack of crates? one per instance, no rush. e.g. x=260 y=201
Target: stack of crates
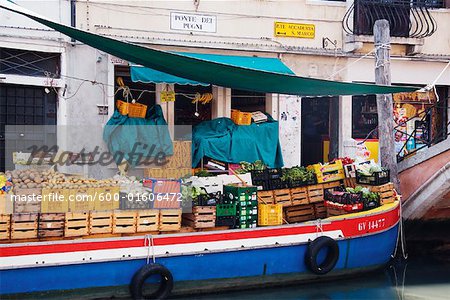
x=245 y=198
x=226 y=214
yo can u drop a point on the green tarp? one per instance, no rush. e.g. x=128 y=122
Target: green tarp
x=202 y=70
x=147 y=75
x=223 y=140
x=138 y=139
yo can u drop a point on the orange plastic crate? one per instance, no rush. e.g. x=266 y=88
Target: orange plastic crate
x=137 y=110
x=122 y=107
x=240 y=117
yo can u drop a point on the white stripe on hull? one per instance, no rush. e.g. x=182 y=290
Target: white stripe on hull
x=51 y=259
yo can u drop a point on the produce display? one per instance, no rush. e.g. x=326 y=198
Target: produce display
x=131 y=186
x=246 y=167
x=372 y=174
x=31 y=178
x=299 y=175
x=368 y=169
x=290 y=195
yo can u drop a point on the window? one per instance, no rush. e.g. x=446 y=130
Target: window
x=365 y=118
x=29 y=63
x=248 y=101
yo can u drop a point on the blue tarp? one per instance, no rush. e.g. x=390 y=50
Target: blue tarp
x=146 y=75
x=223 y=140
x=135 y=139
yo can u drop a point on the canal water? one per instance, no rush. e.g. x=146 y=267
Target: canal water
x=414 y=279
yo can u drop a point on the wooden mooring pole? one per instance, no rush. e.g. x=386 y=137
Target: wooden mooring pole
x=388 y=157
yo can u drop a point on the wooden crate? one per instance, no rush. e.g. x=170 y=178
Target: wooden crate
x=331 y=185
x=100 y=222
x=124 y=221
x=24 y=226
x=170 y=220
x=201 y=217
x=147 y=220
x=333 y=211
x=55 y=200
x=6 y=204
x=299 y=196
x=282 y=197
x=386 y=192
x=320 y=210
x=5 y=226
x=25 y=200
x=81 y=199
x=51 y=224
x=76 y=224
x=167 y=173
x=107 y=198
x=299 y=213
x=350 y=182
x=315 y=193
x=265 y=197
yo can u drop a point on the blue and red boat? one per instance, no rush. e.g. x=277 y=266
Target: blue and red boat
x=200 y=261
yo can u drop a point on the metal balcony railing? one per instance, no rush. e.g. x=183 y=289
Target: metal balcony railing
x=406 y=18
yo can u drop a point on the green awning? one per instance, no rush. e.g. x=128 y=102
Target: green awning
x=147 y=75
x=201 y=70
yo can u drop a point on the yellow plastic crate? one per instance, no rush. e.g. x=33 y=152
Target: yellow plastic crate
x=327 y=167
x=270 y=214
x=329 y=171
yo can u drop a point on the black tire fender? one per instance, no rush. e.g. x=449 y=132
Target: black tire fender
x=137 y=283
x=313 y=250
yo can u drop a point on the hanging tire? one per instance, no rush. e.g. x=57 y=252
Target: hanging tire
x=137 y=283
x=313 y=250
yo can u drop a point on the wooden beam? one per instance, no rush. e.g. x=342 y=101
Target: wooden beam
x=387 y=154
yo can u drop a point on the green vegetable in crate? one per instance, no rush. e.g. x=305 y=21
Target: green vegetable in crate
x=298 y=173
x=246 y=167
x=203 y=173
x=191 y=193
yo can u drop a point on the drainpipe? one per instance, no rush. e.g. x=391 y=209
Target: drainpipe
x=73 y=20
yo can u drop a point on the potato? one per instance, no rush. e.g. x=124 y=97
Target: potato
x=31 y=185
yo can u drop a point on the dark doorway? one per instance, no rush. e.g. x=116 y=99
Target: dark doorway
x=316 y=131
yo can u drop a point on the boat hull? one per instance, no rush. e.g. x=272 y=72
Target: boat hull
x=266 y=262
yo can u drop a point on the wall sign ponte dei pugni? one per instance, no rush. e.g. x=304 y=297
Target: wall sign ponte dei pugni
x=193 y=22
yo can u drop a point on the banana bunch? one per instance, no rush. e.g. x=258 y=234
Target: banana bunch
x=203 y=98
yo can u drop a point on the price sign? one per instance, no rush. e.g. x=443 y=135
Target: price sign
x=167 y=96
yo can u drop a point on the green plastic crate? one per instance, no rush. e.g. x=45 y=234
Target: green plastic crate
x=240 y=193
x=223 y=210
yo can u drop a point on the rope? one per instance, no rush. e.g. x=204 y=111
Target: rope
x=319 y=227
x=377 y=46
x=400 y=236
x=149 y=238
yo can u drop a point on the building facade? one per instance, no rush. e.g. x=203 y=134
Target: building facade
x=320 y=39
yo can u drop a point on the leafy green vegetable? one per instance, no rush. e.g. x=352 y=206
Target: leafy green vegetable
x=366 y=193
x=203 y=173
x=298 y=173
x=247 y=167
